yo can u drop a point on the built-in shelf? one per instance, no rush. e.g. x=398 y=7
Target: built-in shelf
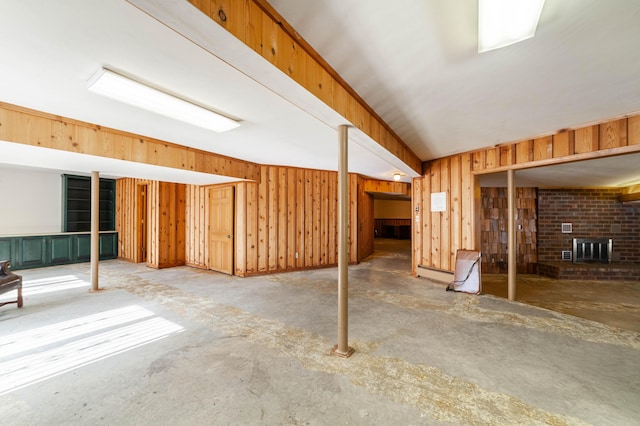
x=77 y=203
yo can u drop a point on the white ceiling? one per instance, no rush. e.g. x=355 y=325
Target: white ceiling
x=414 y=61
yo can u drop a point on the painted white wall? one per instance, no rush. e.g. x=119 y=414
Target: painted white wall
x=31 y=201
x=391 y=209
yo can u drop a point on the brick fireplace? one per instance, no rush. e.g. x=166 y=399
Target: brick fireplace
x=604 y=237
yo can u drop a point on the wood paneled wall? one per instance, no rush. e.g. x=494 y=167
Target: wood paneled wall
x=127 y=223
x=257 y=24
x=438 y=235
x=167 y=224
x=166 y=227
x=286 y=222
x=197 y=224
x=29 y=127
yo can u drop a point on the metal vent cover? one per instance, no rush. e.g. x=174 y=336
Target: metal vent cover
x=567 y=228
x=566 y=254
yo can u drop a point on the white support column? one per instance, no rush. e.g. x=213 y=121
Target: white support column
x=342 y=349
x=95 y=229
x=511 y=235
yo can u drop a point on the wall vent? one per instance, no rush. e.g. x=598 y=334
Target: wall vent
x=567 y=228
x=566 y=254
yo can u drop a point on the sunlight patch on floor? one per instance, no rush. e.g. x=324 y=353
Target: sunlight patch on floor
x=118 y=330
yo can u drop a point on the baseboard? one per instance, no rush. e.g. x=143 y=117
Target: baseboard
x=434 y=274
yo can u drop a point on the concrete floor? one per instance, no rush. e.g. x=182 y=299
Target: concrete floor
x=188 y=347
x=615 y=303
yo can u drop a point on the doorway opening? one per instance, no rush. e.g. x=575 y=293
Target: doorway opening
x=391 y=224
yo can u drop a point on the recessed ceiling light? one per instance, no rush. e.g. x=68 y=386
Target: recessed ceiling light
x=115 y=86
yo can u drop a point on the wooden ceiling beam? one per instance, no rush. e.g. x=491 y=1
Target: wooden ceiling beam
x=258 y=25
x=30 y=127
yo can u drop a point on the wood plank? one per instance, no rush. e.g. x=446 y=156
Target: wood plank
x=353 y=218
x=524 y=151
x=466 y=196
x=272 y=218
x=332 y=247
x=283 y=197
x=542 y=148
x=426 y=218
x=436 y=221
x=300 y=218
x=252 y=228
x=317 y=218
x=613 y=134
x=203 y=226
x=324 y=217
x=563 y=144
x=455 y=209
x=417 y=207
x=240 y=230
x=291 y=203
x=587 y=139
x=507 y=155
x=263 y=221
x=633 y=130
x=479 y=160
x=308 y=223
x=445 y=230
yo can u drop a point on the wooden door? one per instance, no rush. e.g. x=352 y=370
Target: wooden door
x=221 y=229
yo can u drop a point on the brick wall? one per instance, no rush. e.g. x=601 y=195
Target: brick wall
x=593 y=213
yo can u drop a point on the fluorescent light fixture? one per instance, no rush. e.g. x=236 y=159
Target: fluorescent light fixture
x=504 y=22
x=115 y=86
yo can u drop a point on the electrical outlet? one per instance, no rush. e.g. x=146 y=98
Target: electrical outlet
x=296 y=255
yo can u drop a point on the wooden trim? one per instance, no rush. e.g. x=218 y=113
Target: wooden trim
x=434 y=274
x=374 y=185
x=634 y=196
x=612 y=152
x=608 y=138
x=30 y=127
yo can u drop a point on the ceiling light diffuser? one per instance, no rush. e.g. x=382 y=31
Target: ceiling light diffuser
x=505 y=22
x=396 y=176
x=115 y=86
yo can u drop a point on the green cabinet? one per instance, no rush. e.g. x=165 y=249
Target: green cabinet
x=77 y=203
x=57 y=249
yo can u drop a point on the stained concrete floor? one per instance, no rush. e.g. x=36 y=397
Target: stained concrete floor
x=187 y=347
x=616 y=303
